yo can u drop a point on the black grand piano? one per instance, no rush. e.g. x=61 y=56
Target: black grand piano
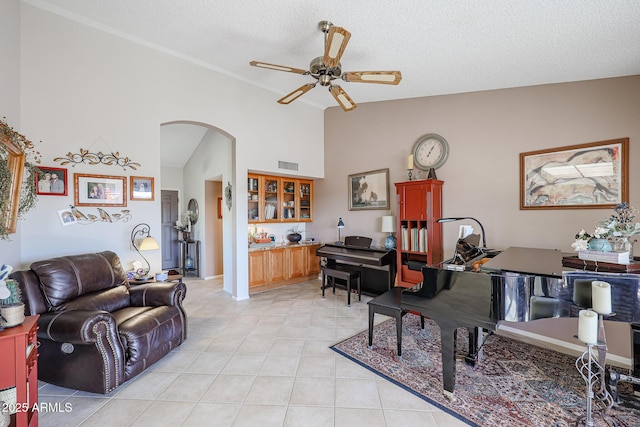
x=378 y=265
x=519 y=285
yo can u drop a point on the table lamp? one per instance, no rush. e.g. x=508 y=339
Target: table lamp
x=148 y=243
x=389 y=226
x=340 y=226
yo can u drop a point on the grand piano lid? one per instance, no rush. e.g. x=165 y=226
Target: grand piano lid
x=540 y=262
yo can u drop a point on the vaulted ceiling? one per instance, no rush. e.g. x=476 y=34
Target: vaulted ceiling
x=441 y=47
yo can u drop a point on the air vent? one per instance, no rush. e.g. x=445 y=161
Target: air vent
x=287 y=165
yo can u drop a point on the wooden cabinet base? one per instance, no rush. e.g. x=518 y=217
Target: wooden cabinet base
x=282 y=265
x=274 y=285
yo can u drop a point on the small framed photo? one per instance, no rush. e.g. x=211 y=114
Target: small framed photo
x=141 y=188
x=66 y=217
x=369 y=190
x=51 y=181
x=100 y=190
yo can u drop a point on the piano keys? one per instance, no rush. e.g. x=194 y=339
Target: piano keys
x=378 y=264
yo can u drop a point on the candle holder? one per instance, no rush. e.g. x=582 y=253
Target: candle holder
x=595 y=380
x=410 y=174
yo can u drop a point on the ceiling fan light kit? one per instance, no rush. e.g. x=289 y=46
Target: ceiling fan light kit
x=327 y=68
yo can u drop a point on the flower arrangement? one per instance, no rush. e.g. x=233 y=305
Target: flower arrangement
x=184 y=224
x=619 y=225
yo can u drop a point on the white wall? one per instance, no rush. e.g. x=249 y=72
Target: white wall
x=10 y=101
x=486 y=132
x=210 y=159
x=84 y=88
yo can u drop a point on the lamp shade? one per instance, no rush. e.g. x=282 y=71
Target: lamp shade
x=388 y=224
x=340 y=223
x=149 y=244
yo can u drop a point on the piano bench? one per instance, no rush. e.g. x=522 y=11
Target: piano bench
x=388 y=304
x=344 y=272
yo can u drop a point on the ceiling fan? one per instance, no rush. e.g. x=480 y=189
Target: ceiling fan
x=327 y=68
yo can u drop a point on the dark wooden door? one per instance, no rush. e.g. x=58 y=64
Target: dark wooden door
x=170 y=246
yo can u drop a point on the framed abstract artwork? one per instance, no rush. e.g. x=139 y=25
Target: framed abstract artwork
x=585 y=176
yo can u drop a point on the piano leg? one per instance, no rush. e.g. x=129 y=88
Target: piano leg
x=476 y=339
x=448 y=344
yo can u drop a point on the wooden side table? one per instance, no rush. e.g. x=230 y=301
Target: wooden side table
x=19 y=369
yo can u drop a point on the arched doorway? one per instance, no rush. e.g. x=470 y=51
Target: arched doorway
x=196 y=159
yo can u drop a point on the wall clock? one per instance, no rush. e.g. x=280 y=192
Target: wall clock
x=430 y=152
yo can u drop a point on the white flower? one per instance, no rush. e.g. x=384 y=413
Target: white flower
x=580 y=244
x=600 y=232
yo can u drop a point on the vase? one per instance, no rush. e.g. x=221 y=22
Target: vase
x=186 y=235
x=294 y=237
x=601 y=245
x=623 y=244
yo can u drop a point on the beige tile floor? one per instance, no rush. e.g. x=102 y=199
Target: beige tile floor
x=262 y=362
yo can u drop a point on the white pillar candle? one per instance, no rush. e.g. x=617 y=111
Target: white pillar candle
x=588 y=327
x=410 y=162
x=601 y=296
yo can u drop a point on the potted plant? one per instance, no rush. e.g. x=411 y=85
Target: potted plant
x=11 y=306
x=294 y=235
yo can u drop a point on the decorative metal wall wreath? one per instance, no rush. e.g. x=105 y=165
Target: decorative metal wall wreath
x=87 y=157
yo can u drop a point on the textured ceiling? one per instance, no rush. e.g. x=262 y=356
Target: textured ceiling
x=441 y=47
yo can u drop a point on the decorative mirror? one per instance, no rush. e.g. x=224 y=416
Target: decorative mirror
x=193 y=208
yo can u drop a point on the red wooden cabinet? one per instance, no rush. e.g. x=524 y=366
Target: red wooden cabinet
x=419 y=236
x=19 y=368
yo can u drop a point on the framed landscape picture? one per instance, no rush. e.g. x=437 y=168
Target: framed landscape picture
x=141 y=188
x=51 y=181
x=100 y=190
x=369 y=190
x=587 y=176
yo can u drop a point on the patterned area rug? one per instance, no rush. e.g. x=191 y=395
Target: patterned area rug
x=515 y=384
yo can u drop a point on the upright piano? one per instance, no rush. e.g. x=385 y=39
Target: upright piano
x=378 y=265
x=518 y=285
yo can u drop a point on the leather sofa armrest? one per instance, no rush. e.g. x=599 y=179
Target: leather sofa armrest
x=76 y=326
x=157 y=294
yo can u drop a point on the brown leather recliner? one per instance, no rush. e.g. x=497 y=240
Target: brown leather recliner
x=95 y=331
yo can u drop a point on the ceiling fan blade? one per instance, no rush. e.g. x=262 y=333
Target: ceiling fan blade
x=296 y=93
x=277 y=67
x=380 y=77
x=337 y=40
x=343 y=99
